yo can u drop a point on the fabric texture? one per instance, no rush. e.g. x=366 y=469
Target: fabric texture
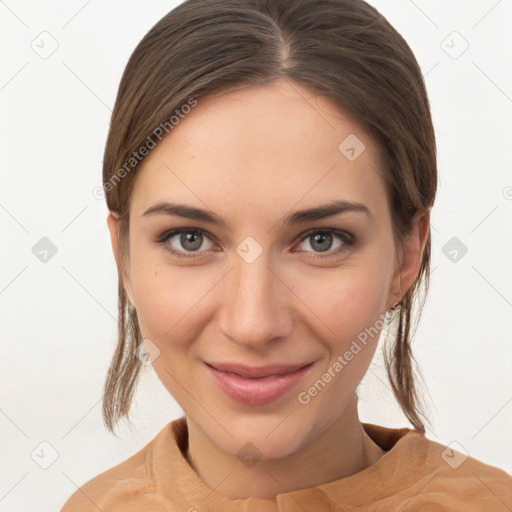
x=415 y=474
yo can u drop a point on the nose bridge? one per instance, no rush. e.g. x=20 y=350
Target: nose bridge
x=254 y=312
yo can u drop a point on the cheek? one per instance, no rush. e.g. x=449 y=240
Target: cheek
x=350 y=304
x=166 y=296
x=347 y=300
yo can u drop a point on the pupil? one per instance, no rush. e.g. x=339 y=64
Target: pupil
x=320 y=238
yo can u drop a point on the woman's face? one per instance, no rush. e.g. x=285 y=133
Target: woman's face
x=251 y=281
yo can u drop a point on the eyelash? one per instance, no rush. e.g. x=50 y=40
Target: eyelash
x=347 y=239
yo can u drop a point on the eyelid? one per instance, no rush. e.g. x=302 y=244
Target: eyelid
x=341 y=233
x=169 y=233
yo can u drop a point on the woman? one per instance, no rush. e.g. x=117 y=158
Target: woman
x=269 y=172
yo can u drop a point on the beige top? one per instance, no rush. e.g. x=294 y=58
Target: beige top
x=416 y=474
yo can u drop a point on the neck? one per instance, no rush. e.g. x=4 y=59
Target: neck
x=341 y=450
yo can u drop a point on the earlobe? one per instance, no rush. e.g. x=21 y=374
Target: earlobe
x=412 y=255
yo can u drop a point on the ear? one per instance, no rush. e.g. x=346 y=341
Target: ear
x=113 y=226
x=412 y=253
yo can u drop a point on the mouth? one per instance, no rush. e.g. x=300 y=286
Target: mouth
x=257 y=385
x=257 y=372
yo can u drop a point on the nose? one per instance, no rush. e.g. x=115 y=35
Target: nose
x=256 y=304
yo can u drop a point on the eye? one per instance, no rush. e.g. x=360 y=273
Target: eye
x=322 y=241
x=185 y=241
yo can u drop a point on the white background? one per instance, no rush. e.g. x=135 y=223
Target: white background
x=58 y=319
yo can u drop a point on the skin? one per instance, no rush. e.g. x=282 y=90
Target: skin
x=252 y=157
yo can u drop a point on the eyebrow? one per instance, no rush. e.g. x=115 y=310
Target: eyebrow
x=296 y=217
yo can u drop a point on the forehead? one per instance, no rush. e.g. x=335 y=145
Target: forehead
x=281 y=143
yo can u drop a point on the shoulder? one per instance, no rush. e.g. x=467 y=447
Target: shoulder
x=422 y=474
x=452 y=477
x=120 y=486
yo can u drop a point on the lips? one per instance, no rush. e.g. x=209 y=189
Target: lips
x=254 y=372
x=256 y=385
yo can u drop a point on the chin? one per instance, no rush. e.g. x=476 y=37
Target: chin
x=266 y=437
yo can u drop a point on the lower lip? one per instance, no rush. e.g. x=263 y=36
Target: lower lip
x=256 y=391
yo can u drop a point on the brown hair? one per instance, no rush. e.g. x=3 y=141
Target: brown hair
x=343 y=49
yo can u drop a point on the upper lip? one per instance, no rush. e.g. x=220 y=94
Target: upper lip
x=254 y=372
